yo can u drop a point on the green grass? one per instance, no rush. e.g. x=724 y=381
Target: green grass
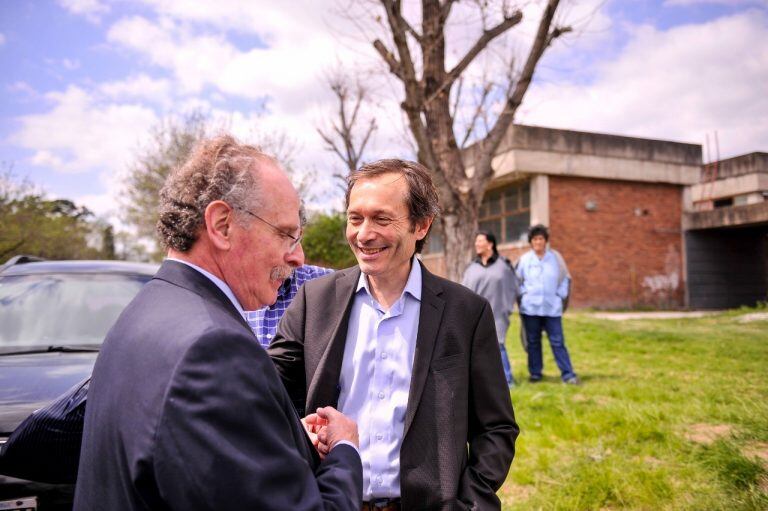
x=621 y=440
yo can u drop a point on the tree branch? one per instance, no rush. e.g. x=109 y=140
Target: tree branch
x=411 y=30
x=478 y=112
x=394 y=66
x=540 y=43
x=488 y=36
x=557 y=32
x=331 y=144
x=445 y=10
x=414 y=91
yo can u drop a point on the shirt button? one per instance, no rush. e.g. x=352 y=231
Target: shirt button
x=379 y=436
x=381 y=395
x=383 y=355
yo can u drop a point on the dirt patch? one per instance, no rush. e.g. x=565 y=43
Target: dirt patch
x=707 y=433
x=623 y=316
x=762 y=484
x=753 y=316
x=757 y=450
x=652 y=461
x=517 y=492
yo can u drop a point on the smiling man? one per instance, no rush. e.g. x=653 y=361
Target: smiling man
x=410 y=356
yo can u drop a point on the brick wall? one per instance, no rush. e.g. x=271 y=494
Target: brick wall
x=626 y=253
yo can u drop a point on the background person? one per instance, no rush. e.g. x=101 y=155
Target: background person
x=411 y=356
x=544 y=288
x=492 y=277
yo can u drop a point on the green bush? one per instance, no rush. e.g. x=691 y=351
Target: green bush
x=324 y=241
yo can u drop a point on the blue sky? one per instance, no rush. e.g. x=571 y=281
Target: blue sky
x=84 y=81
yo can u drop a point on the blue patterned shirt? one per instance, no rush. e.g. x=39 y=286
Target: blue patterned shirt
x=264 y=321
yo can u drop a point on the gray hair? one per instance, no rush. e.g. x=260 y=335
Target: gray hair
x=218 y=168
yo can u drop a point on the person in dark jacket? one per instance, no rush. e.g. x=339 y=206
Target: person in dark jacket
x=185 y=409
x=408 y=354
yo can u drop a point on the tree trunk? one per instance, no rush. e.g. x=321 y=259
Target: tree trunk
x=459 y=230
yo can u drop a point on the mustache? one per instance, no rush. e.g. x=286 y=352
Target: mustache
x=280 y=272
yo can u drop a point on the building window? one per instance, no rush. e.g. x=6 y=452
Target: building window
x=506 y=212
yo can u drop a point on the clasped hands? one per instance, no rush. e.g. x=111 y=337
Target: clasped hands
x=327 y=427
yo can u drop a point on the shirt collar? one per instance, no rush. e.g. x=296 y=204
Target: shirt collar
x=491 y=260
x=216 y=280
x=412 y=286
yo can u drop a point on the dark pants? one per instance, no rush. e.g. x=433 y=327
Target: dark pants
x=534 y=325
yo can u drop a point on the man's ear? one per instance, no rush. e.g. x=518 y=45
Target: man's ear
x=422 y=227
x=219 y=219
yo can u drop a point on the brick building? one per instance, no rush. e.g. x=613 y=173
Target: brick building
x=615 y=207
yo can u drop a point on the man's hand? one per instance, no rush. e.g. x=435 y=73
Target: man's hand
x=337 y=427
x=313 y=424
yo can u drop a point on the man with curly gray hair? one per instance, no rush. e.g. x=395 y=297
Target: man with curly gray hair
x=185 y=409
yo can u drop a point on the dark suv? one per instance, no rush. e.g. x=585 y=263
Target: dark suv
x=54 y=316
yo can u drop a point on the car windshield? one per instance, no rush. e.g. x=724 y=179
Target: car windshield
x=62 y=309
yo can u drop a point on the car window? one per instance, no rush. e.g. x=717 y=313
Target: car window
x=64 y=309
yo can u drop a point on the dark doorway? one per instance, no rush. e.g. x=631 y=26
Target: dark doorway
x=727 y=267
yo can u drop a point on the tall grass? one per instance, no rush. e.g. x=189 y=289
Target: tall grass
x=668 y=417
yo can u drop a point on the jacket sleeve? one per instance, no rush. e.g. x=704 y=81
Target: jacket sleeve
x=492 y=426
x=46 y=446
x=228 y=438
x=287 y=351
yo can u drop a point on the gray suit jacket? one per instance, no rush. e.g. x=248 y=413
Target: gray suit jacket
x=186 y=411
x=458 y=396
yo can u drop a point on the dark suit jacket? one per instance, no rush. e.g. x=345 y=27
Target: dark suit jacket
x=458 y=394
x=186 y=411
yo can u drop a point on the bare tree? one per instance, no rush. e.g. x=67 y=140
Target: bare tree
x=417 y=59
x=349 y=134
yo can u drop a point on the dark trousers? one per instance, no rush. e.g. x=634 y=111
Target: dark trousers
x=534 y=325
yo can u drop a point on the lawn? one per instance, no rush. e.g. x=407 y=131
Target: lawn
x=672 y=414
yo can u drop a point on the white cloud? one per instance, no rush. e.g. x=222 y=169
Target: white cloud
x=678 y=84
x=21 y=87
x=45 y=158
x=70 y=64
x=92 y=10
x=141 y=86
x=190 y=42
x=80 y=134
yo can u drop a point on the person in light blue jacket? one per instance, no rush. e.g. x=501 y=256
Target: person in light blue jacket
x=544 y=288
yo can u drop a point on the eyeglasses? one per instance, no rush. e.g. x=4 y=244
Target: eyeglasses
x=296 y=239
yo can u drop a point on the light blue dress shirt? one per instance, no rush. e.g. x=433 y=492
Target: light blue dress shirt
x=540 y=285
x=376 y=378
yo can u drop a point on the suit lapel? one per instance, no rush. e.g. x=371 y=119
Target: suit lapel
x=187 y=277
x=430 y=317
x=324 y=389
